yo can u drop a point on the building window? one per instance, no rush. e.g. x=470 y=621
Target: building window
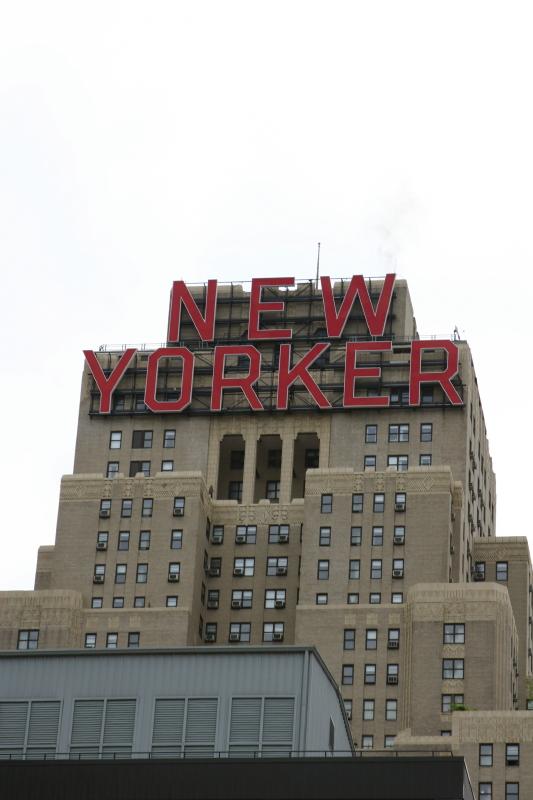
x=512 y=755
x=105 y=508
x=393 y=671
x=529 y=705
x=118 y=602
x=354 y=569
x=349 y=639
x=426 y=396
x=371 y=434
x=400 y=463
x=367 y=741
x=370 y=673
x=176 y=540
x=99 y=573
x=179 y=507
x=324 y=538
x=134 y=639
x=511 y=791
x=454 y=633
x=169 y=438
x=245 y=534
x=396 y=598
x=102 y=539
x=272 y=490
x=374 y=598
x=172 y=600
x=277 y=566
x=371 y=639
x=112 y=469
x=274 y=459
x=352 y=598
x=174 y=570
x=369 y=464
x=311 y=458
x=124 y=540
x=241 y=598
x=120 y=573
x=357 y=503
x=142 y=440
x=139 y=602
x=90 y=640
x=28 y=639
x=323 y=570
x=321 y=599
x=235 y=491
x=126 y=508
x=97 y=602
x=273 y=631
x=147 y=507
x=425 y=460
x=453 y=668
x=239 y=632
x=140 y=466
x=326 y=503
x=398 y=568
x=393 y=638
x=115 y=440
x=368 y=709
x=348 y=707
x=376 y=568
x=275 y=598
x=399 y=433
x=356 y=533
x=347 y=675
x=399 y=534
x=485 y=755
x=243 y=567
x=144 y=540
x=167 y=466
x=389 y=741
x=111 y=641
x=399 y=396
x=377 y=536
x=236 y=459
x=426 y=432
x=450 y=701
x=391 y=710
x=485 y=791
x=379 y=503
x=142 y=573
x=479 y=571
x=446 y=733
x=502 y=571
x=211 y=631
x=278 y=534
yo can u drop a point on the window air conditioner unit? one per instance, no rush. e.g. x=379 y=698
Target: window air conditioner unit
x=173 y=578
x=236 y=603
x=397 y=573
x=240 y=538
x=398 y=539
x=210 y=637
x=279 y=604
x=214 y=572
x=101 y=545
x=277 y=637
x=178 y=512
x=235 y=637
x=283 y=538
x=98 y=579
x=212 y=603
x=239 y=571
x=105 y=513
x=393 y=644
x=216 y=538
x=399 y=506
x=392 y=679
x=281 y=570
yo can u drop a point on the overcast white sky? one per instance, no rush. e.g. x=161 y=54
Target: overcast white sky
x=145 y=142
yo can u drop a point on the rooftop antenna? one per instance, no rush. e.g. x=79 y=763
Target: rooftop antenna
x=318 y=264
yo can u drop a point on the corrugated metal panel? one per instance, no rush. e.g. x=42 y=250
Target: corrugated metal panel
x=245 y=722
x=167 y=735
x=12 y=727
x=43 y=727
x=278 y=720
x=119 y=727
x=201 y=725
x=87 y=726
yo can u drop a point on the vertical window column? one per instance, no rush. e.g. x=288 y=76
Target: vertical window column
x=287 y=467
x=250 y=460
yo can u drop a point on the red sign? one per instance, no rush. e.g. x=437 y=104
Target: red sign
x=288 y=372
